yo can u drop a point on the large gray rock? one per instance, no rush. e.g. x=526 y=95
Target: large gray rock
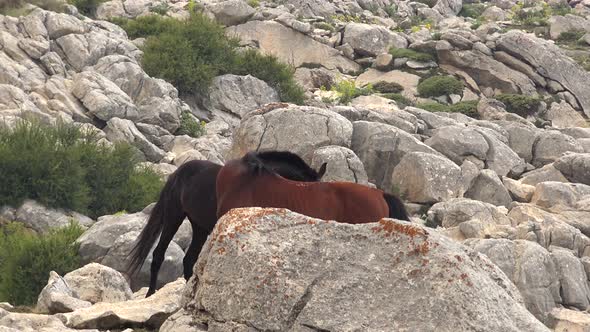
x=98 y=283
x=232 y=96
x=57 y=296
x=342 y=164
x=291 y=46
x=231 y=12
x=575 y=167
x=552 y=194
x=371 y=40
x=381 y=147
x=296 y=285
x=448 y=8
x=563 y=115
x=521 y=138
x=122 y=130
x=545 y=173
x=567 y=23
x=210 y=147
x=426 y=178
x=299 y=129
x=458 y=143
x=562 y=319
x=550 y=61
x=466 y=218
x=59 y=25
x=150 y=312
x=487 y=187
x=574 y=282
x=103 y=98
x=21 y=322
x=42 y=219
x=530 y=267
x=552 y=144
x=397 y=118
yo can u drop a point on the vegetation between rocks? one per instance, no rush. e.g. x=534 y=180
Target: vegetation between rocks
x=17 y=7
x=27 y=258
x=520 y=104
x=189 y=125
x=64 y=166
x=86 y=7
x=190 y=53
x=473 y=10
x=347 y=90
x=410 y=54
x=435 y=86
x=468 y=108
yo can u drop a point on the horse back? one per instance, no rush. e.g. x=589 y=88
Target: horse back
x=359 y=203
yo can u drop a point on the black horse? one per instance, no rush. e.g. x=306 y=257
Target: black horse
x=190 y=192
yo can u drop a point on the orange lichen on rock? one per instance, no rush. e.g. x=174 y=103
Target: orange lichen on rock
x=389 y=227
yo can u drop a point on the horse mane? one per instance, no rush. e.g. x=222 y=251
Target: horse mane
x=261 y=162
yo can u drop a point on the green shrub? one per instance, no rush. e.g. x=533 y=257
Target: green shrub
x=410 y=54
x=269 y=69
x=16 y=7
x=190 y=126
x=520 y=104
x=325 y=26
x=387 y=87
x=433 y=106
x=399 y=99
x=161 y=8
x=531 y=16
x=571 y=36
x=348 y=90
x=254 y=3
x=86 y=7
x=439 y=86
x=64 y=167
x=473 y=10
x=468 y=108
x=561 y=9
x=144 y=26
x=429 y=3
x=26 y=260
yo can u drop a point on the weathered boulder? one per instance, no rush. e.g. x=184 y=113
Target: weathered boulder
x=381 y=147
x=563 y=115
x=42 y=219
x=550 y=61
x=471 y=219
x=551 y=194
x=448 y=8
x=232 y=96
x=519 y=191
x=342 y=164
x=574 y=288
x=299 y=129
x=563 y=320
x=371 y=40
x=231 y=12
x=59 y=24
x=487 y=187
x=407 y=80
x=575 y=167
x=98 y=283
x=211 y=147
x=57 y=296
x=391 y=116
x=530 y=267
x=521 y=138
x=291 y=46
x=150 y=312
x=122 y=130
x=340 y=287
x=459 y=142
x=552 y=144
x=559 y=24
x=545 y=173
x=426 y=178
x=21 y=322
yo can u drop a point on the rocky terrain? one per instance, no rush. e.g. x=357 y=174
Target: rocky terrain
x=499 y=192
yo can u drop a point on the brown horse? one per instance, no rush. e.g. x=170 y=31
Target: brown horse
x=190 y=192
x=247 y=182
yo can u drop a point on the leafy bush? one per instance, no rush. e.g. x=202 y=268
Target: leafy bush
x=348 y=90
x=520 y=104
x=571 y=36
x=399 y=99
x=410 y=54
x=86 y=7
x=16 y=7
x=254 y=3
x=269 y=69
x=26 y=260
x=190 y=53
x=161 y=9
x=439 y=86
x=190 y=126
x=429 y=3
x=473 y=10
x=64 y=167
x=531 y=16
x=561 y=9
x=433 y=106
x=387 y=87
x=468 y=108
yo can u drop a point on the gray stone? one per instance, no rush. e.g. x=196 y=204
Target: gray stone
x=574 y=283
x=299 y=129
x=98 y=283
x=459 y=142
x=488 y=188
x=568 y=23
x=57 y=296
x=121 y=130
x=22 y=322
x=232 y=96
x=545 y=173
x=563 y=115
x=575 y=167
x=381 y=148
x=336 y=286
x=59 y=25
x=42 y=219
x=562 y=319
x=519 y=191
x=371 y=40
x=551 y=194
x=342 y=164
x=231 y=12
x=426 y=178
x=550 y=145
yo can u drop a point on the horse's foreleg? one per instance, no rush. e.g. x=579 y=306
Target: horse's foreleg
x=192 y=253
x=158 y=256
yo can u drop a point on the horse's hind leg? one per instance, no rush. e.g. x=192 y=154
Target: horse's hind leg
x=192 y=253
x=170 y=228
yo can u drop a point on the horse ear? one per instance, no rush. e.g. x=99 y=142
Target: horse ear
x=322 y=170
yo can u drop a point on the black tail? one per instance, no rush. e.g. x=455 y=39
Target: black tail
x=168 y=204
x=397 y=210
